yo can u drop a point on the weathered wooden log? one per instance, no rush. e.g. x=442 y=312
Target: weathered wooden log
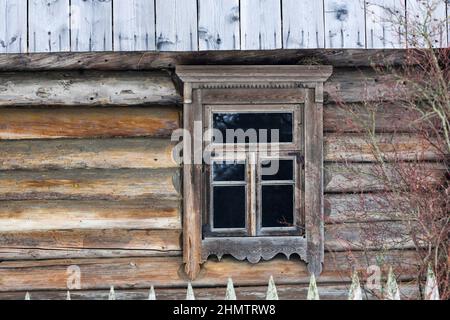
x=138 y=88
x=356 y=85
x=90 y=184
x=384 y=117
x=369 y=236
x=73 y=244
x=138 y=153
x=87 y=88
x=338 y=291
x=167 y=271
x=156 y=60
x=22 y=216
x=366 y=177
x=363 y=207
x=83 y=122
x=389 y=147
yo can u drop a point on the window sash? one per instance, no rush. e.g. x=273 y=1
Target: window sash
x=253 y=189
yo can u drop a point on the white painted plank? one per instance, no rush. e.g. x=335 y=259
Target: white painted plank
x=134 y=25
x=303 y=25
x=385 y=24
x=49 y=25
x=345 y=24
x=427 y=23
x=261 y=24
x=176 y=25
x=219 y=25
x=13 y=26
x=91 y=23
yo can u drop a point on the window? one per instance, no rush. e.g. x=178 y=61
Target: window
x=252 y=180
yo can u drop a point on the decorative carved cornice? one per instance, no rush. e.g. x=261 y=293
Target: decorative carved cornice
x=250 y=77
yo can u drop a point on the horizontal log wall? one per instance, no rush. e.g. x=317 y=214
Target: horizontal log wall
x=88 y=177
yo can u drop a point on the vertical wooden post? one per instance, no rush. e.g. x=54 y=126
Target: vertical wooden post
x=314 y=179
x=192 y=182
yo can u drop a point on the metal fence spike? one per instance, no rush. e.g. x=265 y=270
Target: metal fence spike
x=151 y=294
x=355 y=292
x=112 y=294
x=272 y=293
x=431 y=287
x=230 y=294
x=391 y=291
x=190 y=292
x=313 y=293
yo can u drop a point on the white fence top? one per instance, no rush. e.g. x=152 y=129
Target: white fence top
x=193 y=25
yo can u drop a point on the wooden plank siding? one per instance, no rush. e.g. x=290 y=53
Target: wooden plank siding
x=198 y=25
x=176 y=25
x=13 y=28
x=385 y=24
x=219 y=27
x=345 y=24
x=303 y=24
x=134 y=25
x=49 y=25
x=91 y=25
x=261 y=25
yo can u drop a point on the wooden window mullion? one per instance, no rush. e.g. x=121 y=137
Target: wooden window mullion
x=252 y=193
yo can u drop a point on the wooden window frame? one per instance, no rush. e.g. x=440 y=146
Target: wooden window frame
x=267 y=86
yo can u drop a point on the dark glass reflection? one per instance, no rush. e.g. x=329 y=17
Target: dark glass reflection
x=226 y=171
x=277 y=206
x=283 y=122
x=229 y=207
x=278 y=170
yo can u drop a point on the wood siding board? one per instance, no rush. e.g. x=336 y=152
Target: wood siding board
x=91 y=25
x=303 y=24
x=134 y=25
x=13 y=26
x=390 y=117
x=261 y=25
x=385 y=24
x=85 y=122
x=89 y=88
x=49 y=25
x=367 y=177
x=345 y=24
x=162 y=272
x=219 y=27
x=125 y=153
x=22 y=216
x=427 y=18
x=363 y=207
x=85 y=243
x=391 y=147
x=98 y=184
x=176 y=25
x=369 y=236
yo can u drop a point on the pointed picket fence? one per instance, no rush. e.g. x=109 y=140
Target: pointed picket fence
x=391 y=290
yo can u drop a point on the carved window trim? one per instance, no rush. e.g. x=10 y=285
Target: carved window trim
x=252 y=85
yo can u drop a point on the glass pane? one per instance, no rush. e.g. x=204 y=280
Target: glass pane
x=251 y=124
x=229 y=207
x=277 y=206
x=278 y=170
x=228 y=171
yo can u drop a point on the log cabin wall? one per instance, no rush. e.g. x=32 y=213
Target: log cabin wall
x=87 y=179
